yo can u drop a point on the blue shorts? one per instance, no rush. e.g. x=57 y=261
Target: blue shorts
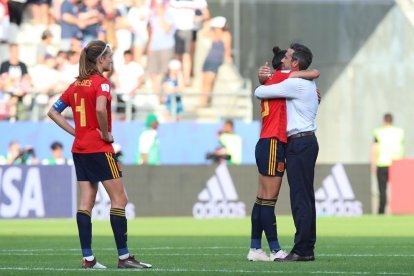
x=270 y=157
x=95 y=167
x=211 y=66
x=179 y=104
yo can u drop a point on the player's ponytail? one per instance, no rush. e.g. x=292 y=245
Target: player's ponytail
x=88 y=58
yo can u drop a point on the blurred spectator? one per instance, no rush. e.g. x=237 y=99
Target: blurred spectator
x=4 y=21
x=46 y=84
x=123 y=36
x=69 y=23
x=40 y=11
x=61 y=59
x=90 y=19
x=44 y=48
x=148 y=145
x=16 y=9
x=138 y=17
x=219 y=52
x=129 y=78
x=202 y=14
x=388 y=146
x=110 y=21
x=57 y=157
x=184 y=14
x=17 y=155
x=71 y=68
x=172 y=85
x=15 y=81
x=76 y=44
x=230 y=143
x=56 y=10
x=12 y=153
x=160 y=44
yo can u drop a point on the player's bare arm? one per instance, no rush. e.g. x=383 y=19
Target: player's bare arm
x=102 y=116
x=58 y=118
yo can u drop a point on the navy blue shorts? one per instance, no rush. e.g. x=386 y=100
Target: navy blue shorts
x=270 y=157
x=211 y=66
x=95 y=167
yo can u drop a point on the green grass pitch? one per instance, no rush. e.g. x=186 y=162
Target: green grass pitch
x=367 y=245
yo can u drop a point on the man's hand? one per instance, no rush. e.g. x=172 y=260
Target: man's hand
x=107 y=138
x=264 y=73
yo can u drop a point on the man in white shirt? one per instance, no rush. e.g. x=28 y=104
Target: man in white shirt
x=129 y=79
x=302 y=148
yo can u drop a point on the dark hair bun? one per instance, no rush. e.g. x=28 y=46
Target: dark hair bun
x=276 y=50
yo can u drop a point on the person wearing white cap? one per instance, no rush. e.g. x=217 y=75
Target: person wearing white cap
x=219 y=52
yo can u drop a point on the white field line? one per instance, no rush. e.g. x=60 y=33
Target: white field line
x=155 y=270
x=186 y=248
x=76 y=252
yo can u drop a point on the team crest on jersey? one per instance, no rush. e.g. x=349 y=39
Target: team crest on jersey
x=105 y=87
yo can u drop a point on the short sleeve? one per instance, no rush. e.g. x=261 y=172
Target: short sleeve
x=65 y=96
x=103 y=89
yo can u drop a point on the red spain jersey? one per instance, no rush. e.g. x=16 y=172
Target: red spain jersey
x=274 y=118
x=81 y=97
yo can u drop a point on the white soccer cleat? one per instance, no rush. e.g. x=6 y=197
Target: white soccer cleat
x=92 y=264
x=257 y=255
x=279 y=255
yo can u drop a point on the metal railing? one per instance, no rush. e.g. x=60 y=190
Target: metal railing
x=224 y=105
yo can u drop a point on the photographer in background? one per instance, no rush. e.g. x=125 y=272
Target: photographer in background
x=57 y=158
x=16 y=156
x=230 y=146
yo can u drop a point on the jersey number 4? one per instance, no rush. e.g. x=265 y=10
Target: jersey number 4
x=81 y=109
x=265 y=108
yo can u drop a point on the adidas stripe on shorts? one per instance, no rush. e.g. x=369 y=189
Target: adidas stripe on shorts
x=95 y=167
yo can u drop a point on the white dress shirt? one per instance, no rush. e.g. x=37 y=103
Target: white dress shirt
x=301 y=102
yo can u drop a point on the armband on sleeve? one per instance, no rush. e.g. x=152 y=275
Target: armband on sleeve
x=59 y=105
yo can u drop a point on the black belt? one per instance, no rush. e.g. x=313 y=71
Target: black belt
x=301 y=134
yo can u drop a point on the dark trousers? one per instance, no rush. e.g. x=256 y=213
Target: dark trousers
x=301 y=154
x=382 y=176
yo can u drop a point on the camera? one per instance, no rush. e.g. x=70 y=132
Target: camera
x=217 y=157
x=25 y=155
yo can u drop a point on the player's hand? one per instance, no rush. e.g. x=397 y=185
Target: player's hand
x=107 y=138
x=264 y=73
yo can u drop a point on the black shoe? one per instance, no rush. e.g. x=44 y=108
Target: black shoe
x=293 y=257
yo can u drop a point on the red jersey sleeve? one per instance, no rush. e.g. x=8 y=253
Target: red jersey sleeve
x=65 y=97
x=103 y=88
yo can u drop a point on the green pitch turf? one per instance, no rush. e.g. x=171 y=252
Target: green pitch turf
x=368 y=245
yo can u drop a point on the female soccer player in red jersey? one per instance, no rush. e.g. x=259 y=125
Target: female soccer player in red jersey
x=90 y=100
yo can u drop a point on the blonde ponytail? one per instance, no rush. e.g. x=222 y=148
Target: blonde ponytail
x=88 y=59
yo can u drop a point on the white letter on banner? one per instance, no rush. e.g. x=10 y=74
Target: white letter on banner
x=10 y=192
x=32 y=198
